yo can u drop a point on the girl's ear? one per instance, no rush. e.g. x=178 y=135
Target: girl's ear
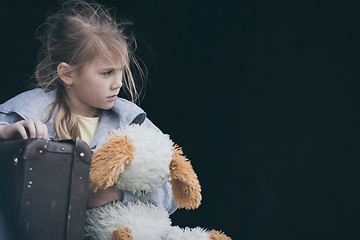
x=65 y=73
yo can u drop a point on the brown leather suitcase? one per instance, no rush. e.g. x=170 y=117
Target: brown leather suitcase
x=44 y=186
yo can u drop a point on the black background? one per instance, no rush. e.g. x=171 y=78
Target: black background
x=262 y=96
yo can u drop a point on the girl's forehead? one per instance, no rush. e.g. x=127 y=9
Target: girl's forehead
x=107 y=61
x=102 y=62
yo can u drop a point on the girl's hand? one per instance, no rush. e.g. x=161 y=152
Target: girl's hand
x=102 y=197
x=25 y=128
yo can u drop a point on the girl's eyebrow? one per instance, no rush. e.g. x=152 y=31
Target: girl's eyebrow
x=106 y=68
x=109 y=68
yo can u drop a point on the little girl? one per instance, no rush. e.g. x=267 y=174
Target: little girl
x=85 y=60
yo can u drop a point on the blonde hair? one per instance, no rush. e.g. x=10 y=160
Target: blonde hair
x=76 y=34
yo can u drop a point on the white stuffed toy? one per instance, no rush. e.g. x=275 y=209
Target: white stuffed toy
x=139 y=159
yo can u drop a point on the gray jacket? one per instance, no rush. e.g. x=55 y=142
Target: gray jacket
x=31 y=105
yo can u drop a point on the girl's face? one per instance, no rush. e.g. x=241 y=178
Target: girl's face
x=96 y=86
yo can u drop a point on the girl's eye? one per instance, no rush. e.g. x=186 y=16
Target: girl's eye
x=107 y=73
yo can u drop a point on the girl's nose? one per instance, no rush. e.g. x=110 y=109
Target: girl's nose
x=117 y=82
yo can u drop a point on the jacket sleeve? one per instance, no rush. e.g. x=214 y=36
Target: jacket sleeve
x=9 y=118
x=161 y=196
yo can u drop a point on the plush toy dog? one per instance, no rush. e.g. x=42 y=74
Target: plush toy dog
x=139 y=159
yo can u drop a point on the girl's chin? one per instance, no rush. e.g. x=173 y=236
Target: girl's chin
x=107 y=106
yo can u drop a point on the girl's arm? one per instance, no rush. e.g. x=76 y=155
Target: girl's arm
x=101 y=197
x=161 y=196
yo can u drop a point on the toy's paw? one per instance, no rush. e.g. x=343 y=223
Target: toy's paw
x=122 y=233
x=216 y=235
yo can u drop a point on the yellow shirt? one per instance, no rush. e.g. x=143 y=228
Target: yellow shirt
x=88 y=127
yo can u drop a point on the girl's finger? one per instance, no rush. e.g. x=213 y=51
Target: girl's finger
x=21 y=130
x=39 y=126
x=30 y=125
x=46 y=134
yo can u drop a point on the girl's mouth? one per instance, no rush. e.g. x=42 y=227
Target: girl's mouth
x=113 y=98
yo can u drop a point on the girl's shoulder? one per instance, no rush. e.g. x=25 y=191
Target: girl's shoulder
x=126 y=105
x=29 y=104
x=126 y=110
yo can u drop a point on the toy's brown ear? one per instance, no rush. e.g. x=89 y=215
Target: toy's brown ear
x=184 y=181
x=109 y=161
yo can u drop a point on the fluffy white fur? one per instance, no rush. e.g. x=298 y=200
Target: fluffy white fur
x=177 y=233
x=152 y=158
x=148 y=170
x=153 y=154
x=146 y=221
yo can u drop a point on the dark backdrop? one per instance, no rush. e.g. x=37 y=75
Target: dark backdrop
x=263 y=98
